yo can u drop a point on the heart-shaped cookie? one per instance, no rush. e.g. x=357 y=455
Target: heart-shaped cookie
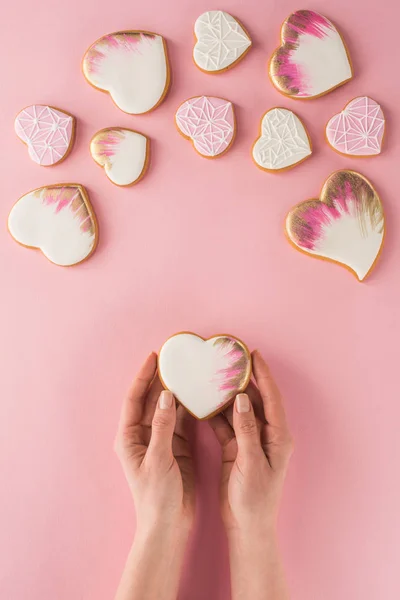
x=221 y=41
x=359 y=129
x=58 y=220
x=47 y=131
x=283 y=142
x=132 y=66
x=122 y=152
x=209 y=122
x=346 y=225
x=204 y=375
x=312 y=59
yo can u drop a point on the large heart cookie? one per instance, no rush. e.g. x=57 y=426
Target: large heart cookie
x=221 y=41
x=346 y=225
x=312 y=59
x=58 y=220
x=358 y=130
x=283 y=142
x=209 y=122
x=204 y=375
x=48 y=132
x=132 y=66
x=122 y=152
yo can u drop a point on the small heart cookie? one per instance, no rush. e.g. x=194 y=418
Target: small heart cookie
x=47 y=131
x=122 y=152
x=283 y=143
x=312 y=59
x=204 y=375
x=221 y=41
x=58 y=220
x=346 y=225
x=209 y=122
x=132 y=66
x=359 y=129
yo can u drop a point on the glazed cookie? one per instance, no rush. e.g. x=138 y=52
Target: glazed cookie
x=58 y=220
x=359 y=129
x=122 y=152
x=204 y=375
x=132 y=66
x=209 y=123
x=47 y=131
x=283 y=142
x=221 y=41
x=312 y=60
x=346 y=225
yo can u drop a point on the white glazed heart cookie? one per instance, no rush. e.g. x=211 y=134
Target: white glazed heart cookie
x=122 y=152
x=359 y=129
x=346 y=225
x=58 y=220
x=312 y=59
x=283 y=142
x=204 y=375
x=132 y=66
x=209 y=122
x=47 y=131
x=221 y=41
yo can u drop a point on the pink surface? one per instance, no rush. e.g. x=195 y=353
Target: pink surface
x=196 y=245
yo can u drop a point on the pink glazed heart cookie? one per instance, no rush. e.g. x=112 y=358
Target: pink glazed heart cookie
x=209 y=123
x=132 y=66
x=312 y=60
x=359 y=129
x=346 y=225
x=58 y=220
x=204 y=375
x=47 y=131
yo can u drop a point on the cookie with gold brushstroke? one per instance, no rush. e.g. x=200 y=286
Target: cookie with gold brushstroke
x=345 y=225
x=312 y=59
x=204 y=375
x=58 y=220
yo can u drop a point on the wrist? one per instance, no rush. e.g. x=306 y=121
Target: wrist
x=163 y=530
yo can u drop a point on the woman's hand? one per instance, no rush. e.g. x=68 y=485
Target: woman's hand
x=256 y=448
x=153 y=446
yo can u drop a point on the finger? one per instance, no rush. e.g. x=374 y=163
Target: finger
x=133 y=405
x=222 y=429
x=273 y=406
x=245 y=427
x=184 y=423
x=162 y=427
x=151 y=401
x=255 y=398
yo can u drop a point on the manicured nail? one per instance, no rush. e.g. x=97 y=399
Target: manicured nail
x=242 y=403
x=165 y=399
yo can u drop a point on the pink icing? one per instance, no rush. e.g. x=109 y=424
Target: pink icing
x=68 y=197
x=357 y=130
x=129 y=41
x=47 y=132
x=209 y=122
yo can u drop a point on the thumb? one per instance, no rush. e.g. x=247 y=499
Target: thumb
x=245 y=427
x=163 y=425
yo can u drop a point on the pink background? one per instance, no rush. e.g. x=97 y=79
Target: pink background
x=197 y=245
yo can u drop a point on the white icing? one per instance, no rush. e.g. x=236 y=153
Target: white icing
x=126 y=165
x=221 y=41
x=283 y=141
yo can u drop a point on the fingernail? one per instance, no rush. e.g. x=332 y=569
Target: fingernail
x=165 y=399
x=242 y=403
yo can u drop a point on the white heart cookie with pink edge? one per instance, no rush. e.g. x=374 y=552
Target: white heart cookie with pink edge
x=122 y=152
x=204 y=375
x=132 y=66
x=58 y=220
x=48 y=132
x=359 y=129
x=345 y=225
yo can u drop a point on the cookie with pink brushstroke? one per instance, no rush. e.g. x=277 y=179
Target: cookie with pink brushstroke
x=358 y=130
x=312 y=59
x=204 y=375
x=346 y=225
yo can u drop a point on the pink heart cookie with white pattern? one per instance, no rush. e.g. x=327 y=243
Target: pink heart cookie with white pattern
x=47 y=131
x=359 y=129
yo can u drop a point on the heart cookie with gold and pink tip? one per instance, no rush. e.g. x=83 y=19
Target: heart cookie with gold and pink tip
x=204 y=375
x=345 y=225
